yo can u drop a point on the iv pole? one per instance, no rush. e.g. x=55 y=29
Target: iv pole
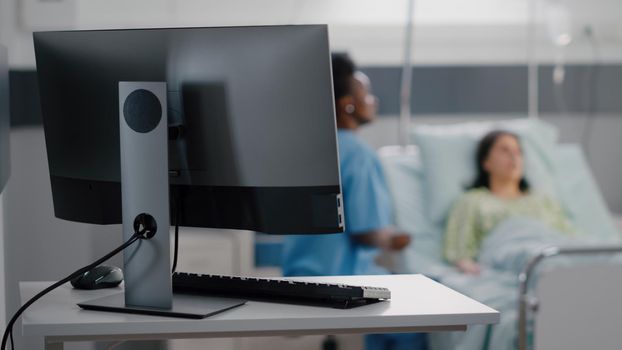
x=532 y=59
x=405 y=92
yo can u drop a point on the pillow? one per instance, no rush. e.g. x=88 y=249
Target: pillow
x=580 y=195
x=404 y=175
x=448 y=153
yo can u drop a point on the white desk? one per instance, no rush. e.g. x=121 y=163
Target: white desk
x=418 y=304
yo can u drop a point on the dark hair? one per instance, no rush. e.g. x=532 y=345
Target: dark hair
x=483 y=150
x=343 y=71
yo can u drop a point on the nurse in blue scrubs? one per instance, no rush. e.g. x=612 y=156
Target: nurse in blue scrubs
x=367 y=204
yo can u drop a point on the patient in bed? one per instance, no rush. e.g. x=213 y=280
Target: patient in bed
x=499 y=192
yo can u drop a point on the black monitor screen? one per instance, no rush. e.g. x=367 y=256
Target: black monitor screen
x=252 y=142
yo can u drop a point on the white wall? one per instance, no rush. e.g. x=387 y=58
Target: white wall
x=446 y=31
x=2 y=273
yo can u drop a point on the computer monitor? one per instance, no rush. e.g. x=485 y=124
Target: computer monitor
x=251 y=131
x=254 y=106
x=5 y=123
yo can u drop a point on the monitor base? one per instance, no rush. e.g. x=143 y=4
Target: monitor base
x=184 y=306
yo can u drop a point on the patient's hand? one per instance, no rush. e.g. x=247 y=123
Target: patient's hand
x=385 y=239
x=399 y=241
x=468 y=266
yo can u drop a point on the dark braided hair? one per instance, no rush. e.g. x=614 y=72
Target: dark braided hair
x=483 y=150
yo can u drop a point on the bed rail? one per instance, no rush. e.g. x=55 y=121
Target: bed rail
x=529 y=303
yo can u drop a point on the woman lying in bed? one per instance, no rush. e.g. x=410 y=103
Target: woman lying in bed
x=499 y=192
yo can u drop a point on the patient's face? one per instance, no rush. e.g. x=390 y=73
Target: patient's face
x=505 y=160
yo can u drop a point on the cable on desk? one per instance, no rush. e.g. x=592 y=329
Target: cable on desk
x=8 y=332
x=176 y=244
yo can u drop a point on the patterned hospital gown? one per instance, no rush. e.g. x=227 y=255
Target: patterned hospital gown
x=478 y=211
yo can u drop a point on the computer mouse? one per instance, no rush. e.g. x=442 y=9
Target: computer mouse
x=99 y=277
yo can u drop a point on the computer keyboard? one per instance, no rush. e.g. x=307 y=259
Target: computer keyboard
x=279 y=290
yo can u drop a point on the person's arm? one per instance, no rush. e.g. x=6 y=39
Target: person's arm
x=386 y=239
x=460 y=247
x=368 y=209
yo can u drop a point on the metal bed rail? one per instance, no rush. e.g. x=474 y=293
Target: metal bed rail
x=528 y=303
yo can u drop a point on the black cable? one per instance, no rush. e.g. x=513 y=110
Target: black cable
x=176 y=244
x=8 y=332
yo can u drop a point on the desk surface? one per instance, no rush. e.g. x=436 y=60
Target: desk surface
x=418 y=304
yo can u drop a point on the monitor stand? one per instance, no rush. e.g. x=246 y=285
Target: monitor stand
x=143 y=131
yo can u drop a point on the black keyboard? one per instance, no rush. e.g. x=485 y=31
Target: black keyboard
x=279 y=290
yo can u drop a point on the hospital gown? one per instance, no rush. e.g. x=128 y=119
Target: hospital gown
x=478 y=212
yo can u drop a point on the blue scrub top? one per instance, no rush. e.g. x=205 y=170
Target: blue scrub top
x=367 y=206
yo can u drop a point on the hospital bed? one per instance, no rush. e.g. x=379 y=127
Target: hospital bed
x=567 y=304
